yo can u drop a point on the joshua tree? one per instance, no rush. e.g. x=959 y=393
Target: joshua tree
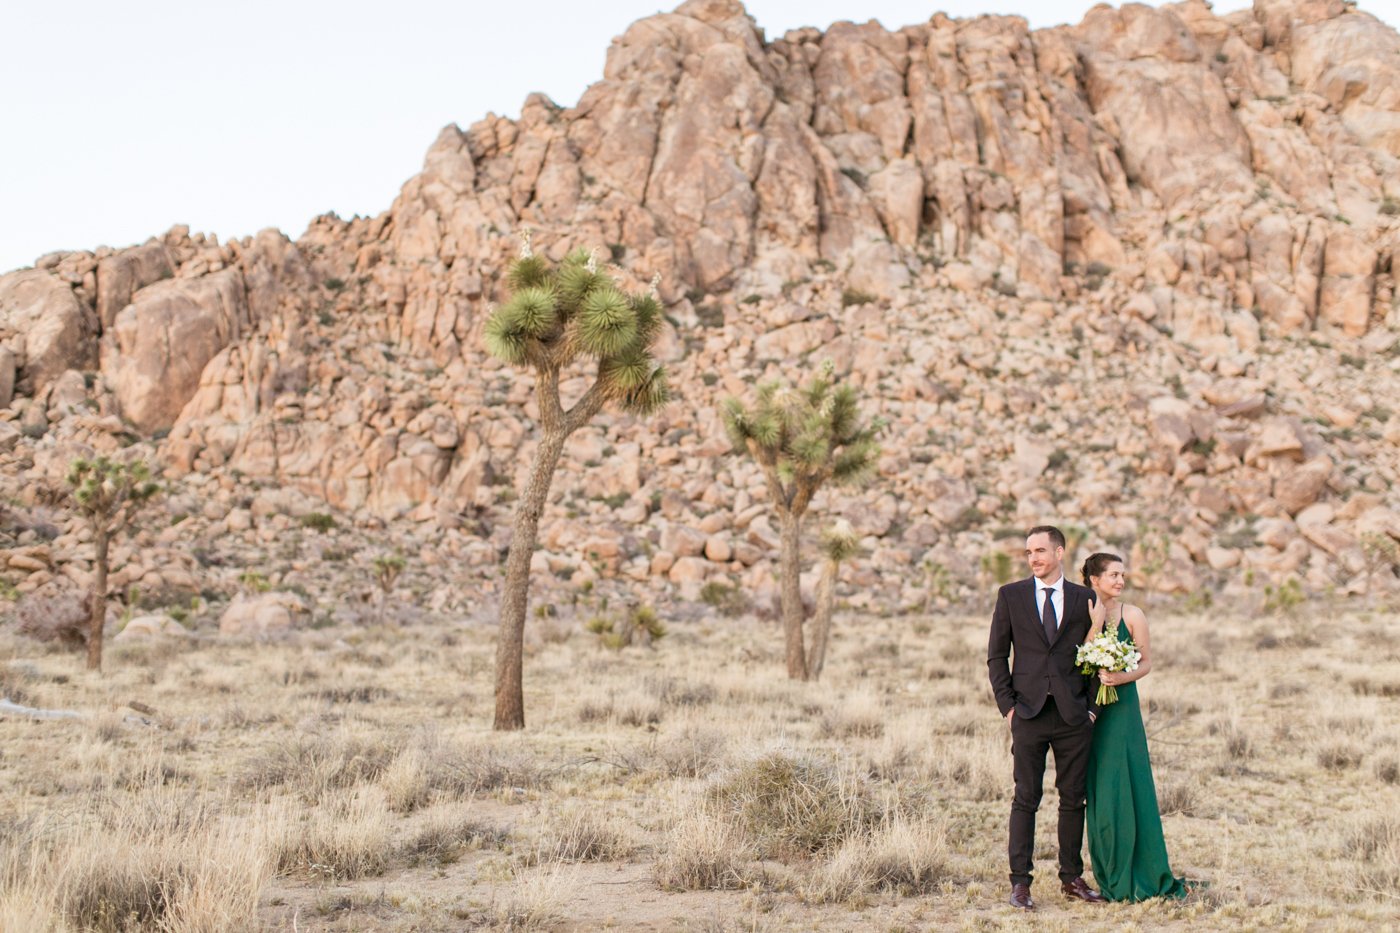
x=387 y=568
x=557 y=317
x=839 y=542
x=801 y=438
x=641 y=625
x=108 y=494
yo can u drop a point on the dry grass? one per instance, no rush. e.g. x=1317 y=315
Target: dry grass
x=347 y=835
x=703 y=852
x=789 y=804
x=899 y=857
x=348 y=780
x=160 y=861
x=579 y=834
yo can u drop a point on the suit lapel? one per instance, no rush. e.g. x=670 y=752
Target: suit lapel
x=1035 y=610
x=1064 y=616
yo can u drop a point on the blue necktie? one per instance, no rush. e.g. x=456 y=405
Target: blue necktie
x=1047 y=616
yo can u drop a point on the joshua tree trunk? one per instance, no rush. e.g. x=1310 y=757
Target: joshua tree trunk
x=793 y=613
x=98 y=600
x=510 y=697
x=821 y=619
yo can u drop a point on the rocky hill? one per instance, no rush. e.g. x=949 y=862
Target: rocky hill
x=1135 y=276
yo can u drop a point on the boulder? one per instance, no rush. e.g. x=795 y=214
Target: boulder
x=259 y=615
x=151 y=626
x=124 y=274
x=161 y=342
x=1299 y=488
x=57 y=331
x=1169 y=421
x=683 y=541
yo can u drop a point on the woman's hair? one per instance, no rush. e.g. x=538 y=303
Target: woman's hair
x=1097 y=564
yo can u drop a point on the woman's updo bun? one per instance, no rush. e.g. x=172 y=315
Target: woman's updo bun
x=1097 y=564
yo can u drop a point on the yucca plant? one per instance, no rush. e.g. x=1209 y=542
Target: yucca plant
x=839 y=544
x=387 y=568
x=801 y=438
x=108 y=493
x=557 y=317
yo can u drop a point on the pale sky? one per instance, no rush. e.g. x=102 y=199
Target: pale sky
x=122 y=119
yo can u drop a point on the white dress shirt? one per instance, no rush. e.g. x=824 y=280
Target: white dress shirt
x=1056 y=592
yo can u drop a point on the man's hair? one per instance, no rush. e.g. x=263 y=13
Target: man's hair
x=1057 y=537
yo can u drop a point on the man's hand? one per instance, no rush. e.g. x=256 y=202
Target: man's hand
x=1093 y=717
x=1011 y=715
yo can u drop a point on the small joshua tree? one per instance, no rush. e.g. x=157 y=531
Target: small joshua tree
x=108 y=494
x=801 y=438
x=839 y=543
x=642 y=626
x=387 y=568
x=557 y=317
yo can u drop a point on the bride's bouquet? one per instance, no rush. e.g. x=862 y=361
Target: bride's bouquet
x=1104 y=652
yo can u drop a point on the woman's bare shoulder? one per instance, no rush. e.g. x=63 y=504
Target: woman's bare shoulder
x=1133 y=615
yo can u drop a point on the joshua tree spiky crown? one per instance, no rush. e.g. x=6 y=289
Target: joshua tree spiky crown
x=839 y=542
x=803 y=437
x=102 y=487
x=556 y=315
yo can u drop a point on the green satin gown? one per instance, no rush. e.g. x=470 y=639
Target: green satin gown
x=1126 y=846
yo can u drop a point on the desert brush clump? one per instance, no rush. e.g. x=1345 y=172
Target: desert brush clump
x=794 y=805
x=559 y=317
x=703 y=852
x=108 y=494
x=802 y=438
x=641 y=626
x=579 y=834
x=54 y=614
x=900 y=856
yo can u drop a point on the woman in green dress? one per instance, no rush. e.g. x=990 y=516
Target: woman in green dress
x=1126 y=846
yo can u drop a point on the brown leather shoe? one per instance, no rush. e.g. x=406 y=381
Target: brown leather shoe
x=1080 y=890
x=1021 y=897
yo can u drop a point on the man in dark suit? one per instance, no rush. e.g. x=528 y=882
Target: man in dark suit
x=1039 y=624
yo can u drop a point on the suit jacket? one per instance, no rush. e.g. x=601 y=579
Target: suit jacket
x=1039 y=668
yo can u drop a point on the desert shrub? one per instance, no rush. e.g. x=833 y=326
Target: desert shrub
x=1339 y=756
x=152 y=862
x=641 y=626
x=675 y=691
x=53 y=614
x=1285 y=598
x=318 y=521
x=1376 y=845
x=346 y=836
x=693 y=753
x=538 y=902
x=580 y=835
x=431 y=769
x=1177 y=797
x=854 y=296
x=703 y=852
x=729 y=600
x=315 y=765
x=899 y=857
x=791 y=805
x=444 y=836
x=462 y=771
x=862 y=717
